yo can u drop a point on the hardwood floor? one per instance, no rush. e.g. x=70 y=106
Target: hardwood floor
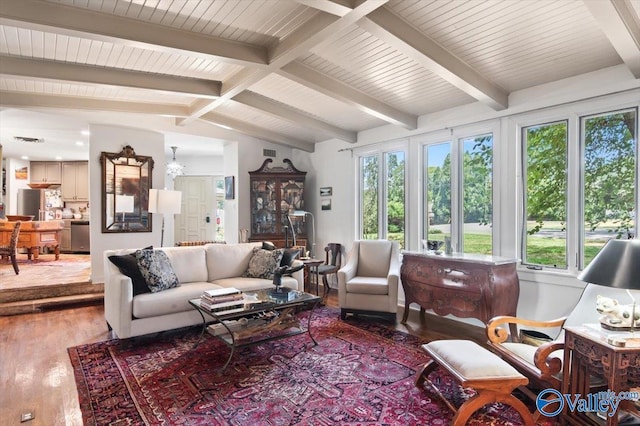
x=36 y=374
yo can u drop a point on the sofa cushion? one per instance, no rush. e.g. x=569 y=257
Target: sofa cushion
x=170 y=301
x=189 y=263
x=128 y=265
x=156 y=269
x=263 y=263
x=228 y=260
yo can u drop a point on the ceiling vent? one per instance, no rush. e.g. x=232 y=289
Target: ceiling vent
x=269 y=152
x=29 y=140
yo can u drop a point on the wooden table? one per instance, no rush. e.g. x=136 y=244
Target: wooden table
x=34 y=235
x=588 y=356
x=311 y=271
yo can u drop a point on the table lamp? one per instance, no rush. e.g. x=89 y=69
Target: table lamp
x=617 y=265
x=164 y=202
x=302 y=213
x=124 y=204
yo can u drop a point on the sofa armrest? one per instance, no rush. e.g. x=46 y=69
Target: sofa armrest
x=118 y=301
x=298 y=275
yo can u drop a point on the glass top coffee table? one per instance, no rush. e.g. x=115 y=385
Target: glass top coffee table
x=261 y=317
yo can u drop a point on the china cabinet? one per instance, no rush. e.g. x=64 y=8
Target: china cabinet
x=275 y=192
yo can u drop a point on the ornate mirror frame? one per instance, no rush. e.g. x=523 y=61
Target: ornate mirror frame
x=126 y=180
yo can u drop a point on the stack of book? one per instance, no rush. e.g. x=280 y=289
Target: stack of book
x=222 y=300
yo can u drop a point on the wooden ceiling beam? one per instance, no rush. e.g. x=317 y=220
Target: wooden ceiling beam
x=393 y=30
x=255 y=131
x=304 y=75
x=84 y=23
x=26 y=100
x=621 y=25
x=65 y=71
x=280 y=110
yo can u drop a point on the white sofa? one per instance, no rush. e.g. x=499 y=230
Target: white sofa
x=198 y=268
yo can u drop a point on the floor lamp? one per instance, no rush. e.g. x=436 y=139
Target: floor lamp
x=164 y=202
x=302 y=213
x=124 y=204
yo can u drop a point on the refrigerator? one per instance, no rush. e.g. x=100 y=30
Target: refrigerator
x=39 y=203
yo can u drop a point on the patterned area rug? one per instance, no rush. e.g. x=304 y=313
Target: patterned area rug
x=70 y=268
x=359 y=374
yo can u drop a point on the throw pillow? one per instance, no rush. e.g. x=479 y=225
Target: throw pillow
x=268 y=245
x=156 y=269
x=128 y=265
x=263 y=263
x=288 y=256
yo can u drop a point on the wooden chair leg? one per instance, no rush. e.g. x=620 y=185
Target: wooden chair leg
x=14 y=262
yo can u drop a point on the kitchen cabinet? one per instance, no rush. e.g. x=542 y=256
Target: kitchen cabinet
x=46 y=172
x=274 y=192
x=75 y=181
x=65 y=239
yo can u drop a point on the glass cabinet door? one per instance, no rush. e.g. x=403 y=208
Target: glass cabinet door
x=263 y=206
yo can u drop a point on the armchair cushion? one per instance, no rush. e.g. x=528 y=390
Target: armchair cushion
x=368 y=285
x=373 y=259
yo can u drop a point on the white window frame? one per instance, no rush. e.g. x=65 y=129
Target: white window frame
x=379 y=151
x=572 y=114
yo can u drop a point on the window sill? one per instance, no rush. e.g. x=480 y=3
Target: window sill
x=546 y=276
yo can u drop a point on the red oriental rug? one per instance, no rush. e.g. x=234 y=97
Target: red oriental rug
x=358 y=374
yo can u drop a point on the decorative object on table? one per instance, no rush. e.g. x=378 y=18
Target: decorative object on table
x=325 y=204
x=229 y=187
x=301 y=214
x=448 y=249
x=174 y=168
x=125 y=173
x=616 y=265
x=164 y=202
x=432 y=245
x=326 y=191
x=281 y=271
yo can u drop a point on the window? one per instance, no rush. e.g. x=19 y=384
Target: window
x=545 y=148
x=459 y=193
x=609 y=179
x=382 y=196
x=605 y=162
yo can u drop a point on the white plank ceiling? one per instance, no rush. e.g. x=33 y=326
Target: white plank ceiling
x=297 y=72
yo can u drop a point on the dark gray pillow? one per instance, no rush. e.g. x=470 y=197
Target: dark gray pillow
x=289 y=256
x=128 y=265
x=156 y=269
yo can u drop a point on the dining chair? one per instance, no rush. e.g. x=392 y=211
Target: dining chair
x=332 y=263
x=11 y=250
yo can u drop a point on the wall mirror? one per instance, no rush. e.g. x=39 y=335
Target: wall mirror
x=126 y=179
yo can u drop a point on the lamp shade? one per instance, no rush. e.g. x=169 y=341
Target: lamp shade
x=164 y=201
x=124 y=203
x=616 y=265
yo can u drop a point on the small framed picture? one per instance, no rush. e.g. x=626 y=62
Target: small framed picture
x=326 y=191
x=229 y=188
x=326 y=204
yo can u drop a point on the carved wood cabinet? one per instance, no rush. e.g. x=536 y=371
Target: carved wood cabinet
x=276 y=191
x=464 y=285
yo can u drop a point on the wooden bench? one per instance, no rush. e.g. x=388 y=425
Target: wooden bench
x=474 y=367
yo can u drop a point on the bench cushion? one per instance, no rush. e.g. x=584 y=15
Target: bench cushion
x=471 y=360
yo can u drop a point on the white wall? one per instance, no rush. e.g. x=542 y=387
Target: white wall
x=13 y=184
x=113 y=139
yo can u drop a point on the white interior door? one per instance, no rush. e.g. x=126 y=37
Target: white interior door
x=198 y=219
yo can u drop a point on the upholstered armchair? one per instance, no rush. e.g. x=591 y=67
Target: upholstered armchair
x=543 y=364
x=368 y=282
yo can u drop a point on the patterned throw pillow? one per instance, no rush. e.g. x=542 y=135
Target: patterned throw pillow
x=156 y=269
x=263 y=263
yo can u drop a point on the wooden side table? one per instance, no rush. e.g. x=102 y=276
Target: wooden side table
x=311 y=275
x=587 y=355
